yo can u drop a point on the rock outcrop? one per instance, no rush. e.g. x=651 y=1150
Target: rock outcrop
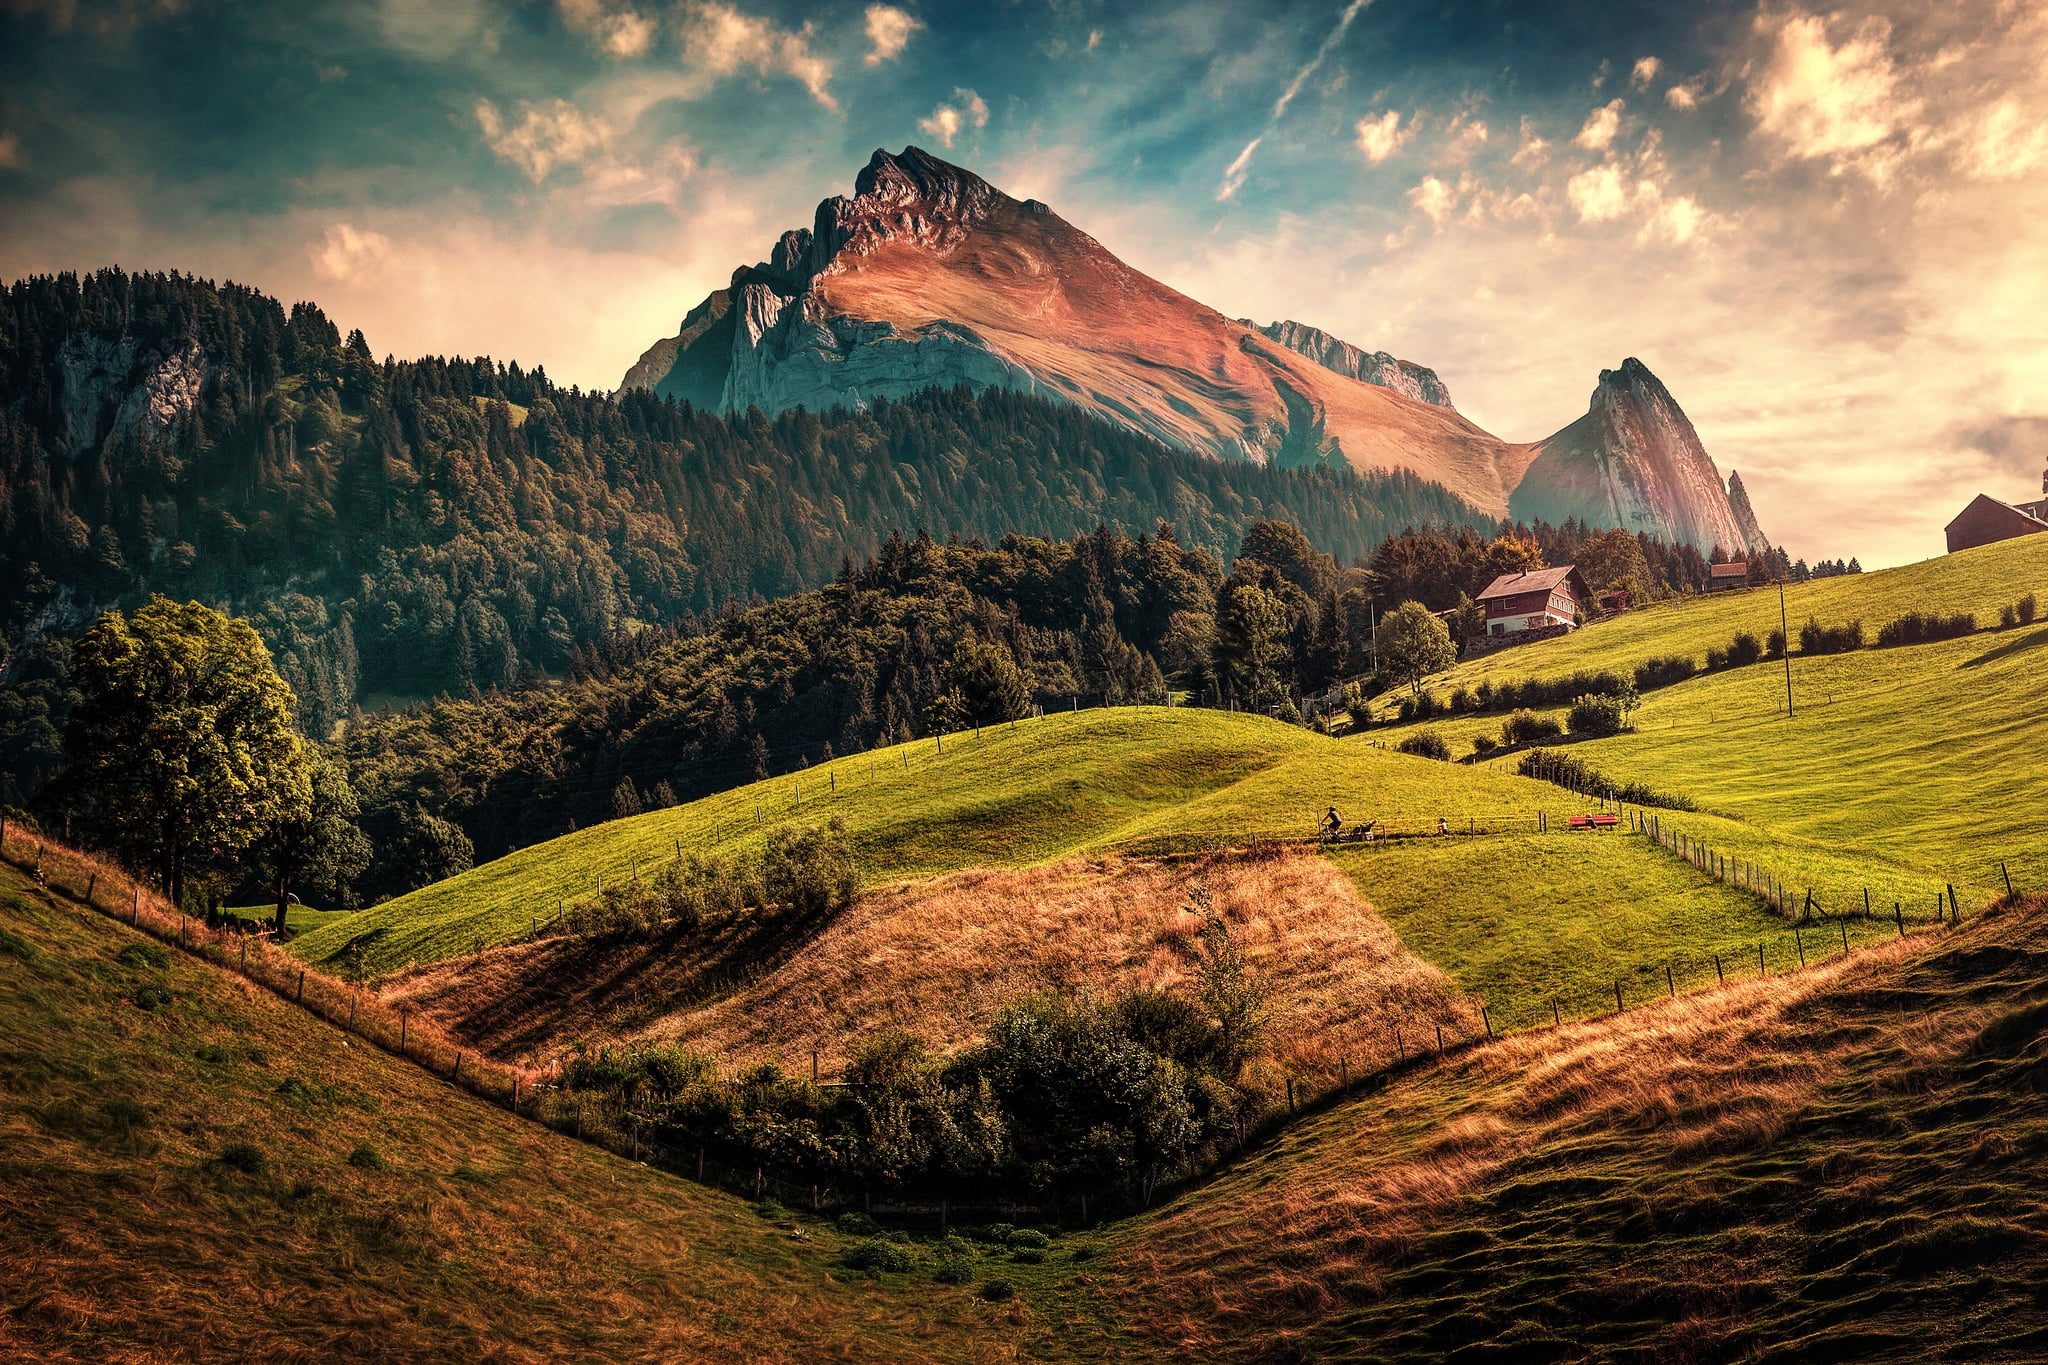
x=1367 y=367
x=1753 y=538
x=112 y=388
x=928 y=275
x=1632 y=461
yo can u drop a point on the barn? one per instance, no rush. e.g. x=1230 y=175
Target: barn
x=1987 y=520
x=1722 y=577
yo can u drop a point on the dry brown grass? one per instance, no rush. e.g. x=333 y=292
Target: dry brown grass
x=1606 y=1147
x=940 y=957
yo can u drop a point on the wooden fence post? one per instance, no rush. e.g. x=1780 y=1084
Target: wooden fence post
x=1955 y=908
x=1556 y=1015
x=1761 y=970
x=299 y=996
x=404 y=1015
x=1899 y=916
x=2007 y=875
x=1671 y=984
x=1617 y=998
x=90 y=883
x=1844 y=924
x=1486 y=1018
x=1719 y=978
x=1800 y=943
x=1439 y=1039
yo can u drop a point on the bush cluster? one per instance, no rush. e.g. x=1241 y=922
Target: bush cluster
x=1426 y=744
x=1526 y=727
x=803 y=872
x=1919 y=627
x=1743 y=650
x=1815 y=638
x=1065 y=1093
x=1597 y=716
x=1570 y=771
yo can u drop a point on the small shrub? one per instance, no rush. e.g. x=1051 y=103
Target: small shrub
x=245 y=1157
x=953 y=1244
x=1525 y=727
x=1744 y=649
x=141 y=955
x=2025 y=609
x=1596 y=716
x=995 y=1291
x=1462 y=700
x=1484 y=744
x=1774 y=645
x=952 y=1270
x=857 y=1225
x=1029 y=1237
x=878 y=1254
x=1085 y=1251
x=2008 y=616
x=212 y=1055
x=366 y=1158
x=1717 y=658
x=151 y=997
x=1028 y=1255
x=1815 y=638
x=1664 y=670
x=1426 y=744
x=996 y=1234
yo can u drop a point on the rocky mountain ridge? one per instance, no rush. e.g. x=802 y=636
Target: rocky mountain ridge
x=928 y=276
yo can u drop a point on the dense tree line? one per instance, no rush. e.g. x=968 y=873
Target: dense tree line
x=441 y=525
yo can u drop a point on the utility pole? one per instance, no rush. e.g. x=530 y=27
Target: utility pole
x=1785 y=635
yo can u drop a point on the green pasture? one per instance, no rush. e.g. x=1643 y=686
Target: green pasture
x=298 y=919
x=1520 y=921
x=1980 y=581
x=1139 y=778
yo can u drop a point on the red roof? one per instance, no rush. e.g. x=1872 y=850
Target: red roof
x=1736 y=569
x=1536 y=580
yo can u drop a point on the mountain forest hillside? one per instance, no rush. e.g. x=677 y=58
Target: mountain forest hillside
x=402 y=529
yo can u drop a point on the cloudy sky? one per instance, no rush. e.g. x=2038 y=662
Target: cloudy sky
x=1825 y=229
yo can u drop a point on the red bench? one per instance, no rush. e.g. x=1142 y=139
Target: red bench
x=1595 y=822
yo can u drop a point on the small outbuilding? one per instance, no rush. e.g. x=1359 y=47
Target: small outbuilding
x=1722 y=577
x=1541 y=599
x=1987 y=520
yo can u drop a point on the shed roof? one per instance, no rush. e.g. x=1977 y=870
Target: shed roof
x=1732 y=569
x=2021 y=512
x=1535 y=580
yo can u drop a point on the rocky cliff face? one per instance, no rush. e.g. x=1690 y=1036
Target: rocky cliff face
x=1632 y=461
x=928 y=275
x=1367 y=367
x=1753 y=536
x=111 y=388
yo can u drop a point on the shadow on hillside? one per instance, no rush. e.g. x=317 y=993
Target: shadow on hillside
x=524 y=999
x=2008 y=649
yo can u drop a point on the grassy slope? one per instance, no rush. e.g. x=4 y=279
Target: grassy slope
x=485 y=1236
x=940 y=956
x=1572 y=915
x=1844 y=1165
x=1901 y=769
x=1015 y=796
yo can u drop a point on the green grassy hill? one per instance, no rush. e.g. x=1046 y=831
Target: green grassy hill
x=1124 y=778
x=192 y=1169
x=1901 y=769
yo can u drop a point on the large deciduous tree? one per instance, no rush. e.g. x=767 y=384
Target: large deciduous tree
x=317 y=845
x=1414 y=644
x=181 y=747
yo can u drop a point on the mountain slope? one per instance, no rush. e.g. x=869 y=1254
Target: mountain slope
x=929 y=275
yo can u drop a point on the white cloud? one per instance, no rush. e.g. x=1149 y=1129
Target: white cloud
x=1466 y=135
x=1646 y=70
x=2007 y=142
x=1684 y=96
x=1236 y=171
x=1379 y=138
x=889 y=31
x=1533 y=150
x=946 y=122
x=1600 y=193
x=348 y=253
x=1601 y=126
x=546 y=136
x=1840 y=104
x=617 y=181
x=1434 y=198
x=619 y=33
x=721 y=39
